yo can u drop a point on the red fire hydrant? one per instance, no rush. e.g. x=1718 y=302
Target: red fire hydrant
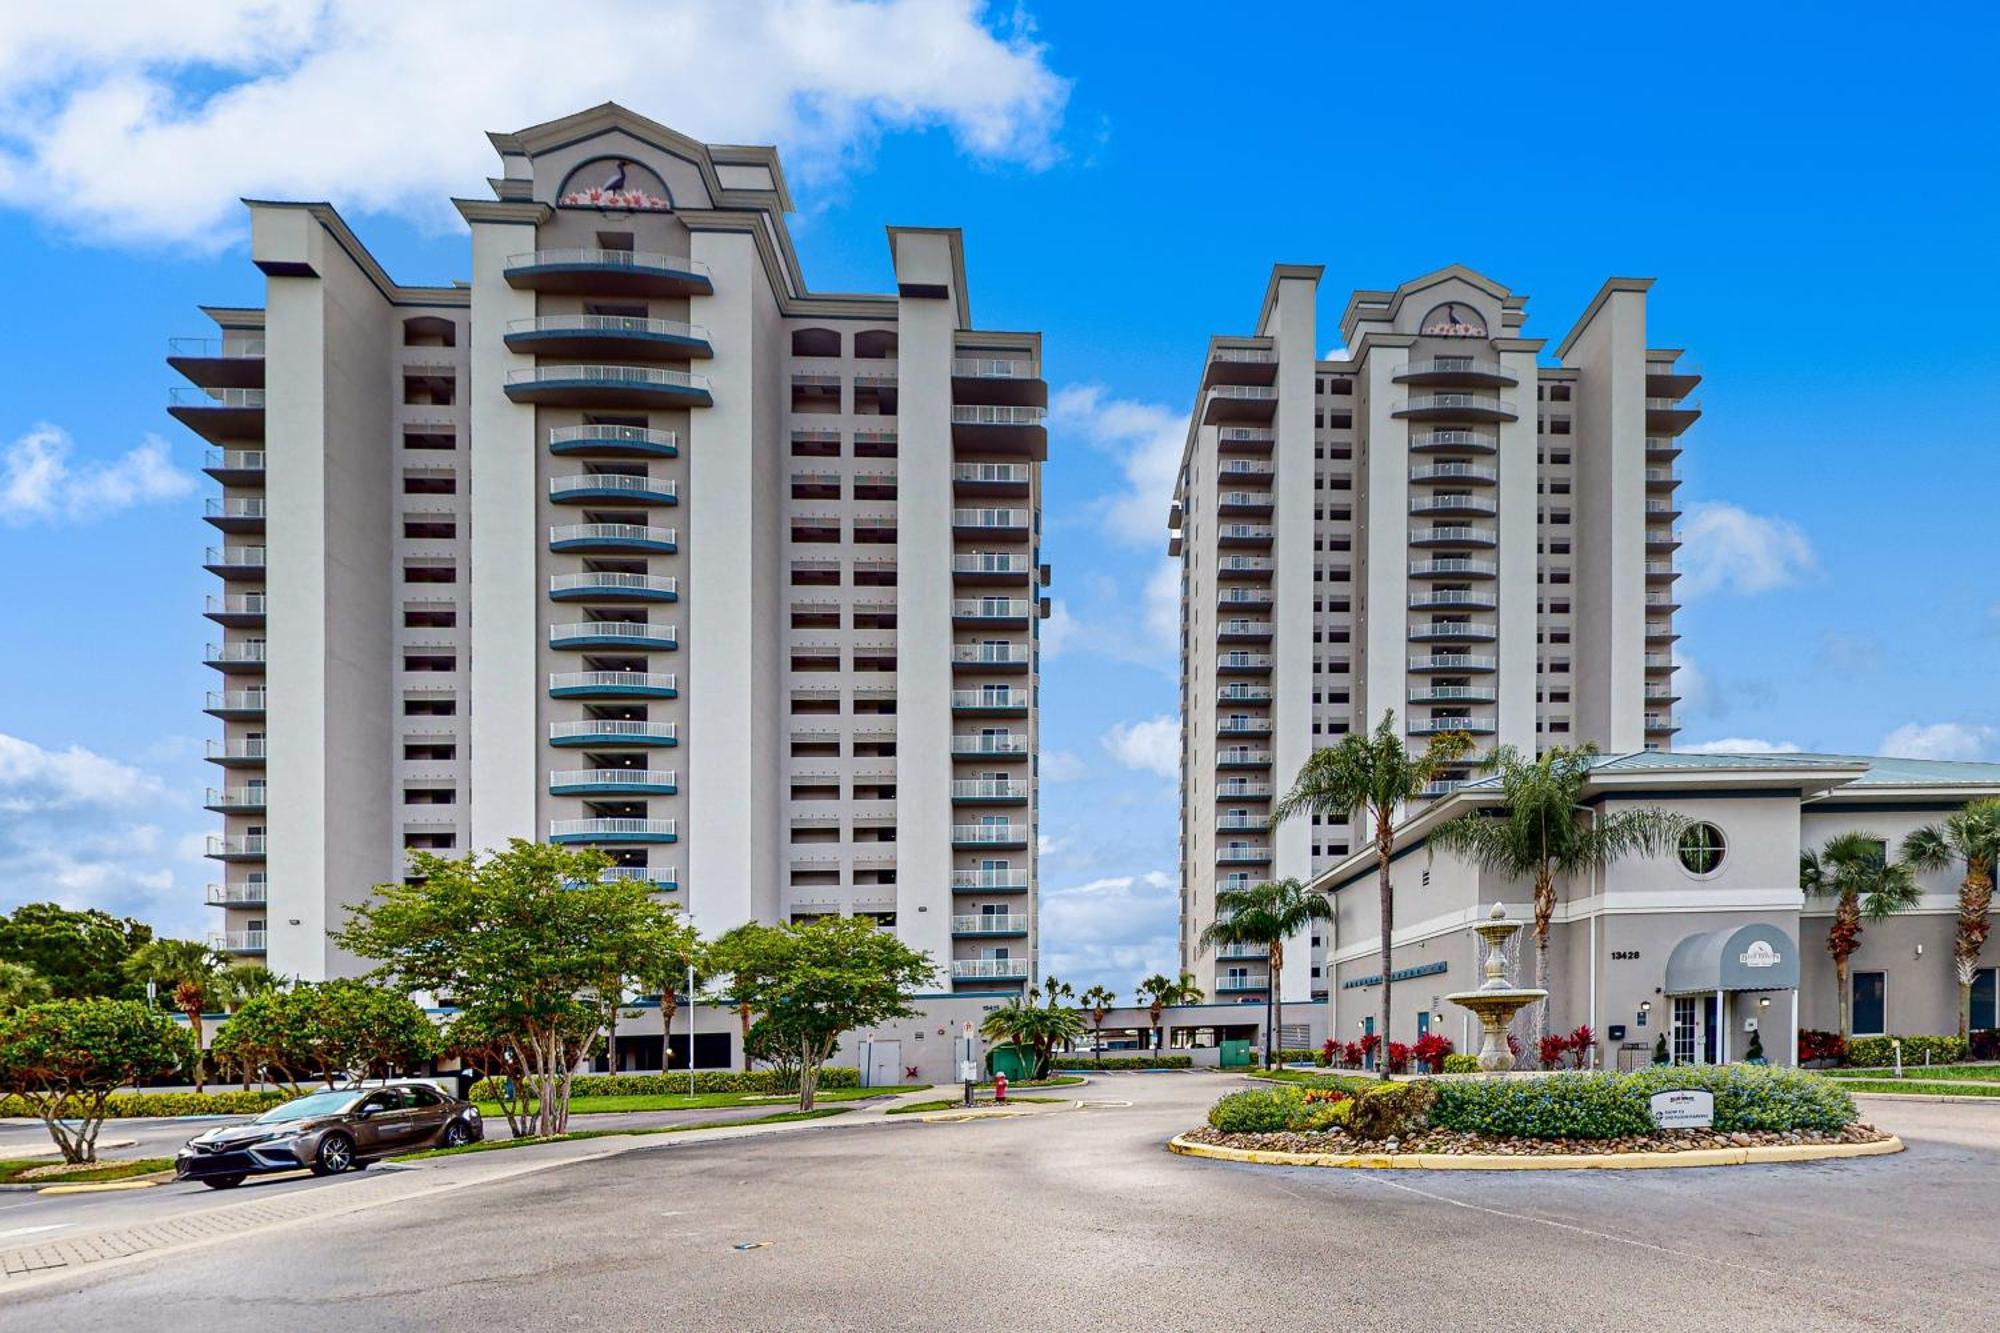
x=999 y=1087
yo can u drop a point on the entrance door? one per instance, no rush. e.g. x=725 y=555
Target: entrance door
x=885 y=1063
x=1711 y=1025
x=1683 y=1038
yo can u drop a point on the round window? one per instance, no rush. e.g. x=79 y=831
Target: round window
x=1701 y=849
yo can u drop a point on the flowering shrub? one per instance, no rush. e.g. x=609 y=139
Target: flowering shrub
x=1430 y=1051
x=1399 y=1058
x=1814 y=1045
x=1328 y=1095
x=1550 y=1051
x=1329 y=1054
x=1608 y=1106
x=1575 y=1048
x=1985 y=1044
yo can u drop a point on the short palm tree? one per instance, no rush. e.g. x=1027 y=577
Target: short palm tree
x=1035 y=1028
x=242 y=984
x=1157 y=993
x=1267 y=915
x=1972 y=836
x=1098 y=1002
x=1854 y=870
x=1372 y=777
x=188 y=971
x=1538 y=836
x=21 y=985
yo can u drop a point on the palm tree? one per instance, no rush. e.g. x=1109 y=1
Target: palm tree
x=1267 y=914
x=1099 y=1002
x=1372 y=776
x=189 y=971
x=1035 y=1028
x=1157 y=994
x=1854 y=870
x=673 y=974
x=1538 y=837
x=240 y=985
x=22 y=985
x=1972 y=836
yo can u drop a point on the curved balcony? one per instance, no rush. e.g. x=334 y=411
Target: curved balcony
x=990 y=924
x=613 y=782
x=613 y=537
x=593 y=486
x=995 y=701
x=601 y=585
x=613 y=685
x=1453 y=694
x=1450 y=631
x=249 y=753
x=608 y=386
x=1452 y=662
x=613 y=830
x=1472 y=441
x=989 y=791
x=1478 y=601
x=640 y=441
x=612 y=731
x=1453 y=567
x=1239 y=402
x=238 y=895
x=615 y=634
x=608 y=272
x=991 y=656
x=989 y=881
x=1453 y=535
x=219 y=415
x=1471 y=474
x=1001 y=428
x=607 y=335
x=1442 y=726
x=1454 y=407
x=1454 y=504
x=1007 y=836
x=1456 y=370
x=245 y=847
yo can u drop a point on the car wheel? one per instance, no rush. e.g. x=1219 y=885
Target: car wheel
x=222 y=1182
x=335 y=1155
x=456 y=1135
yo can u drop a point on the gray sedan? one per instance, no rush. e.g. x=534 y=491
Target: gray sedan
x=330 y=1132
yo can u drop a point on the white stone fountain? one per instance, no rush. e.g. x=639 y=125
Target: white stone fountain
x=1497 y=1000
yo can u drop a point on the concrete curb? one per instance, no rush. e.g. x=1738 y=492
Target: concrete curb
x=110 y=1186
x=1638 y=1161
x=1961 y=1099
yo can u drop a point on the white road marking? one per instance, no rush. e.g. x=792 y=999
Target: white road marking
x=28 y=1231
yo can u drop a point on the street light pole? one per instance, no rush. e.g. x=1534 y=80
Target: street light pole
x=690 y=1027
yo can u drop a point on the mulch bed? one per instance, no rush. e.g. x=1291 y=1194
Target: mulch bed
x=1458 y=1143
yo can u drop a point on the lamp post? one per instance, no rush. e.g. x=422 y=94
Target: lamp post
x=690 y=1027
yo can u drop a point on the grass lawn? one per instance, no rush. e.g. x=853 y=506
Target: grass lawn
x=704 y=1101
x=497 y=1145
x=1053 y=1081
x=1986 y=1073
x=12 y=1169
x=1932 y=1088
x=958 y=1103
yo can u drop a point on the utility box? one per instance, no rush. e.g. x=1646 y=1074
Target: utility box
x=1018 y=1065
x=1237 y=1055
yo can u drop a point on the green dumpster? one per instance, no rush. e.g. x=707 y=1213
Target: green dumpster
x=1236 y=1055
x=1018 y=1065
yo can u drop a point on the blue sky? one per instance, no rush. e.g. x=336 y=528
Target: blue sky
x=1815 y=196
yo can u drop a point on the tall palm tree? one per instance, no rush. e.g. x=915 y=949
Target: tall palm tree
x=22 y=985
x=1538 y=836
x=1098 y=1002
x=1854 y=870
x=1372 y=776
x=188 y=971
x=1972 y=836
x=1267 y=914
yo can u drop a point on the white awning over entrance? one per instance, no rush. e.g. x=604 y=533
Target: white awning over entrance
x=1753 y=957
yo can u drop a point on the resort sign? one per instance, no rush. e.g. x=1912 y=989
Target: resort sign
x=1760 y=954
x=1452 y=320
x=1684 y=1109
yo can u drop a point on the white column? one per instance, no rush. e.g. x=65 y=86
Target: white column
x=1519 y=532
x=1293 y=326
x=1384 y=586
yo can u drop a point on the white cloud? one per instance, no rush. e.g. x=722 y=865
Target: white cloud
x=1942 y=740
x=1152 y=746
x=87 y=831
x=1148 y=441
x=1725 y=546
x=1738 y=745
x=1113 y=626
x=40 y=484
x=129 y=121
x=1111 y=931
x=1336 y=354
x=1063 y=766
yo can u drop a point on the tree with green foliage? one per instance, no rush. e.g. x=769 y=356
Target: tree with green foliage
x=1159 y=993
x=528 y=940
x=19 y=985
x=682 y=948
x=1098 y=1002
x=1855 y=871
x=245 y=983
x=326 y=1029
x=1371 y=777
x=1267 y=915
x=490 y=1053
x=66 y=1057
x=1542 y=834
x=81 y=954
x=189 y=974
x=813 y=981
x=1972 y=836
x=1034 y=1028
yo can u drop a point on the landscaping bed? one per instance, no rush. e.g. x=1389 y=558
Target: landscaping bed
x=42 y=1171
x=1460 y=1143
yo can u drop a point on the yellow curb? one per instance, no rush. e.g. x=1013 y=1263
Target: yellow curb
x=109 y=1186
x=1637 y=1161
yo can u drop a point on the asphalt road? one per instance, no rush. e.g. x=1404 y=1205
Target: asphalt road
x=1078 y=1220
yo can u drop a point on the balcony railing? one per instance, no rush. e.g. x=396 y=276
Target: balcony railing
x=988 y=789
x=991 y=608
x=990 y=923
x=1454 y=472
x=1452 y=662
x=190 y=396
x=636 y=779
x=989 y=881
x=217 y=348
x=237 y=895
x=247 y=845
x=1454 y=504
x=991 y=654
x=638 y=439
x=243 y=507
x=615 y=728
x=1235 y=952
x=640 y=535
x=1455 y=439
x=994 y=474
x=236 y=701
x=1249 y=694
x=1237 y=789
x=615 y=630
x=1453 y=565
x=994 y=368
x=990 y=562
x=1478 y=694
x=989 y=518
x=1242 y=981
x=236 y=604
x=1453 y=534
x=1242 y=823
x=614 y=682
x=1451 y=629
x=1245 y=531
x=1439 y=726
x=630 y=326
x=234 y=557
x=978 y=969
x=1484 y=601
x=237 y=749
x=1007 y=698
x=1009 y=743
x=1243 y=726
x=656 y=585
x=234 y=652
x=1474 y=403
x=616 y=484
x=234 y=798
x=989 y=833
x=1248 y=392
x=633 y=261
x=238 y=941
x=612 y=830
x=990 y=415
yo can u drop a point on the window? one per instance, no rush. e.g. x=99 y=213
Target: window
x=1701 y=849
x=1986 y=999
x=1871 y=1003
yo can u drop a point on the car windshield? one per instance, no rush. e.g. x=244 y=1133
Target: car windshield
x=319 y=1103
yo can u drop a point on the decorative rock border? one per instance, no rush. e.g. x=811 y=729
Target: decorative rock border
x=1637 y=1161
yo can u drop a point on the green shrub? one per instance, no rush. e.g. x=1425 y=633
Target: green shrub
x=1879 y=1052
x=1392 y=1110
x=1609 y=1106
x=130 y=1105
x=1459 y=1062
x=1297 y=1055
x=1076 y=1064
x=1259 y=1111
x=767 y=1081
